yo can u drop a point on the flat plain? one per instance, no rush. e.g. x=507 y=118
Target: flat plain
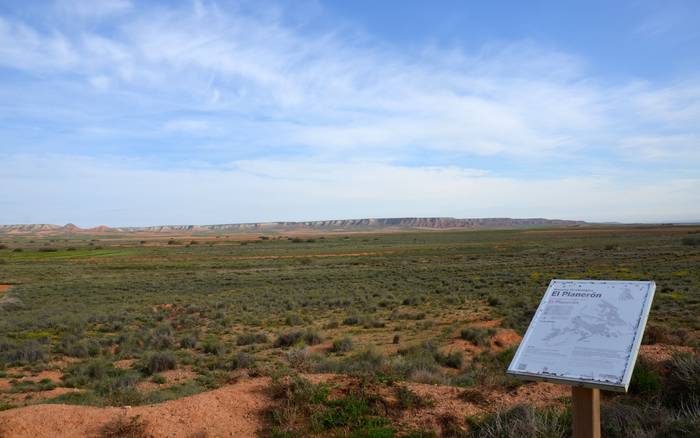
x=352 y=334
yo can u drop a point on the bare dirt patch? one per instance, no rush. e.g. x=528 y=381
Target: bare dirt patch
x=234 y=410
x=52 y=375
x=172 y=377
x=504 y=339
x=658 y=353
x=28 y=398
x=124 y=363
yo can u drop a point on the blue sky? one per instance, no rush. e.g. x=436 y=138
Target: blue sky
x=139 y=113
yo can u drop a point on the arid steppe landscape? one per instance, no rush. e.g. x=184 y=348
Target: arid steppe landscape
x=362 y=331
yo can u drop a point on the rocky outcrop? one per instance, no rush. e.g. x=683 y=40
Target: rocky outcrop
x=428 y=223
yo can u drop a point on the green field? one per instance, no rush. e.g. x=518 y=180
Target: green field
x=378 y=305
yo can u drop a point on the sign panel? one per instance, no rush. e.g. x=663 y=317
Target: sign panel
x=586 y=333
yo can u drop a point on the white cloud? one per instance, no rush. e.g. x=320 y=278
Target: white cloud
x=330 y=92
x=90 y=192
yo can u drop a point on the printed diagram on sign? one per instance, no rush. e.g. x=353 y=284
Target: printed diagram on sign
x=595 y=320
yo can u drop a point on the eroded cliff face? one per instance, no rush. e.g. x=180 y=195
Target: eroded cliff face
x=328 y=225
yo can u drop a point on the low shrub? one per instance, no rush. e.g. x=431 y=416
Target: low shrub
x=342 y=345
x=288 y=339
x=408 y=399
x=304 y=409
x=682 y=386
x=242 y=360
x=188 y=341
x=158 y=379
x=691 y=241
x=450 y=360
x=523 y=421
x=114 y=386
x=212 y=345
x=124 y=427
x=25 y=353
x=251 y=338
x=477 y=336
x=645 y=381
x=157 y=362
x=312 y=337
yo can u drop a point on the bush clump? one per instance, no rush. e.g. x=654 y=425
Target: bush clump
x=251 y=338
x=477 y=336
x=682 y=386
x=342 y=345
x=24 y=353
x=523 y=421
x=212 y=345
x=288 y=339
x=691 y=241
x=124 y=427
x=157 y=362
x=113 y=385
x=408 y=399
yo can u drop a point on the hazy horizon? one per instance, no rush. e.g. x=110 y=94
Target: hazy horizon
x=681 y=222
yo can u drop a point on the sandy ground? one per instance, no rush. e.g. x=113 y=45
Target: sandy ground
x=236 y=410
x=231 y=411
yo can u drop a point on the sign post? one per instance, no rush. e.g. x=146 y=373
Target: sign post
x=585 y=404
x=587 y=334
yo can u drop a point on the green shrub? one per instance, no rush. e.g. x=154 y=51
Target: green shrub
x=407 y=399
x=450 y=360
x=293 y=319
x=29 y=352
x=682 y=386
x=477 y=336
x=113 y=385
x=212 y=345
x=645 y=381
x=242 y=360
x=691 y=241
x=188 y=341
x=342 y=345
x=157 y=362
x=312 y=337
x=523 y=421
x=162 y=338
x=158 y=379
x=251 y=338
x=288 y=339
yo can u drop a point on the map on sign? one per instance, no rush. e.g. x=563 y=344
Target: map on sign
x=586 y=332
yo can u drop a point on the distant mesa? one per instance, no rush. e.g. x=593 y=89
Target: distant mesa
x=378 y=224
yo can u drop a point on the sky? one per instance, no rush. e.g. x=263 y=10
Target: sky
x=125 y=113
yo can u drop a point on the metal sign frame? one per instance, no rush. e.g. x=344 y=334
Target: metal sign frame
x=629 y=366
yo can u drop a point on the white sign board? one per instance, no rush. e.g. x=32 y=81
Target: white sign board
x=586 y=333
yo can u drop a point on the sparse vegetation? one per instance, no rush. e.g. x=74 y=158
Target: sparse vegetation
x=395 y=308
x=124 y=427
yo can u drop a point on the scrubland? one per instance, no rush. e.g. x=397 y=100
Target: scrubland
x=412 y=330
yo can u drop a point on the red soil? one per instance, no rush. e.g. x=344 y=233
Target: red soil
x=232 y=411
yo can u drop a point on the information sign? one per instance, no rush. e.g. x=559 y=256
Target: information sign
x=586 y=333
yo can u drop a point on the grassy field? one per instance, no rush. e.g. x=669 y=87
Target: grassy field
x=387 y=307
